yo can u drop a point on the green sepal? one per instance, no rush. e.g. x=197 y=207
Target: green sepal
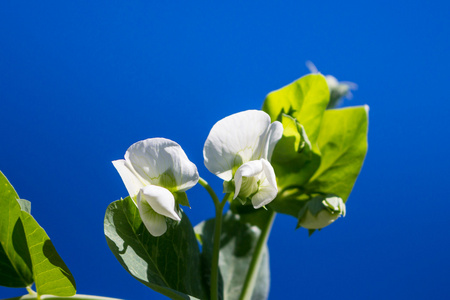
x=181 y=198
x=228 y=186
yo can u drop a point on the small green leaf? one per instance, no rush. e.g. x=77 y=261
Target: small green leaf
x=304 y=99
x=51 y=274
x=238 y=241
x=343 y=145
x=15 y=261
x=169 y=264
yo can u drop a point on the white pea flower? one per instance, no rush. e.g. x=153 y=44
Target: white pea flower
x=238 y=149
x=338 y=89
x=153 y=171
x=321 y=211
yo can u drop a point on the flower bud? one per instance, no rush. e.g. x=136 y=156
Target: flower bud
x=321 y=211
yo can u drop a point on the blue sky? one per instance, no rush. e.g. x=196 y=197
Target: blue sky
x=81 y=81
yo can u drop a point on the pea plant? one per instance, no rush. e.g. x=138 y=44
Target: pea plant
x=298 y=155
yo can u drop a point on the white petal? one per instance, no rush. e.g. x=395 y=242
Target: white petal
x=235 y=140
x=274 y=134
x=268 y=186
x=250 y=169
x=160 y=199
x=154 y=222
x=162 y=162
x=132 y=182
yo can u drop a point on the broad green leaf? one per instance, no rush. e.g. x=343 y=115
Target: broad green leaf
x=51 y=274
x=169 y=264
x=238 y=241
x=15 y=261
x=343 y=145
x=294 y=158
x=304 y=99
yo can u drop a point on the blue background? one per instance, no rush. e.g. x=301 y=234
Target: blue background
x=80 y=81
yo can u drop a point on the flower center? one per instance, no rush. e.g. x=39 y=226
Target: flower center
x=249 y=186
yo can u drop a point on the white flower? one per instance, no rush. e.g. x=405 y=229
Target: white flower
x=152 y=171
x=239 y=147
x=338 y=89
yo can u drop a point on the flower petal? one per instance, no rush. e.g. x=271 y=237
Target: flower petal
x=268 y=186
x=160 y=199
x=249 y=169
x=132 y=182
x=163 y=162
x=274 y=134
x=235 y=140
x=154 y=222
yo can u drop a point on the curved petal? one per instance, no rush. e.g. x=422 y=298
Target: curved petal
x=251 y=169
x=154 y=222
x=160 y=199
x=235 y=140
x=268 y=186
x=274 y=134
x=162 y=162
x=132 y=182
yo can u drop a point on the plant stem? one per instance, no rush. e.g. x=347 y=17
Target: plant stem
x=253 y=269
x=30 y=291
x=210 y=191
x=216 y=249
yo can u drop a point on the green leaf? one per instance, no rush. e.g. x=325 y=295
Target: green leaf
x=15 y=261
x=294 y=158
x=169 y=264
x=27 y=255
x=238 y=241
x=304 y=99
x=343 y=145
x=290 y=201
x=51 y=275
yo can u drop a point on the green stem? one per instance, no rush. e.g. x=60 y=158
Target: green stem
x=252 y=272
x=210 y=191
x=30 y=291
x=216 y=249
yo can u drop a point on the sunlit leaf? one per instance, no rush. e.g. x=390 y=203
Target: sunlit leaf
x=304 y=99
x=294 y=159
x=169 y=264
x=51 y=274
x=15 y=261
x=343 y=145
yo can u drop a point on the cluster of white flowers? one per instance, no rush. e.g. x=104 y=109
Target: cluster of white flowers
x=237 y=150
